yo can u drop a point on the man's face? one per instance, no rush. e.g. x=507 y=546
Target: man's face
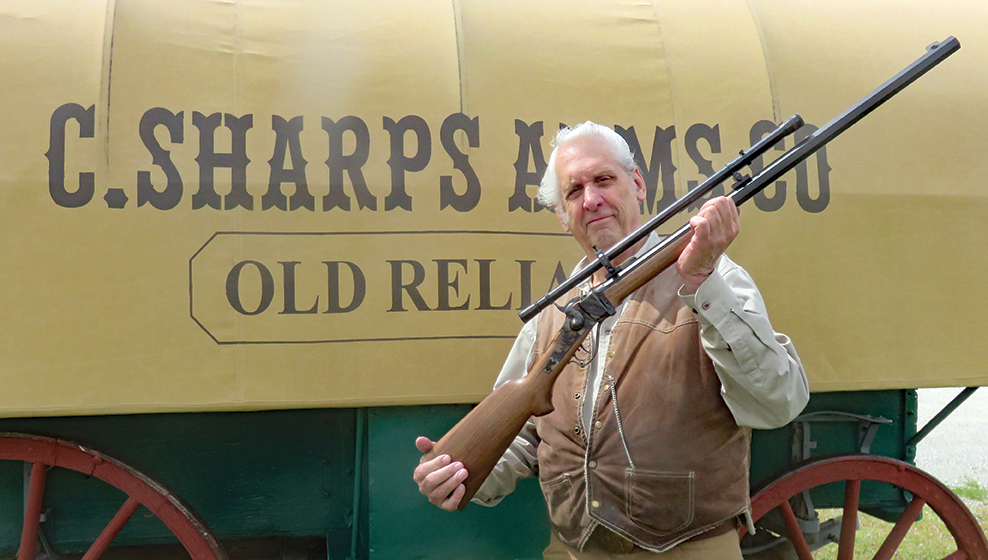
x=598 y=198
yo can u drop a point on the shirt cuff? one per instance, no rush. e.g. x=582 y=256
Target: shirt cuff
x=712 y=301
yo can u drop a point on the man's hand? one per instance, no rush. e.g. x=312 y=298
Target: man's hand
x=714 y=228
x=440 y=479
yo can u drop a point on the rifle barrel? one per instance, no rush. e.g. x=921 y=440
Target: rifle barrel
x=935 y=54
x=666 y=251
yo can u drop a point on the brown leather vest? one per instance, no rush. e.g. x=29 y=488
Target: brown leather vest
x=664 y=459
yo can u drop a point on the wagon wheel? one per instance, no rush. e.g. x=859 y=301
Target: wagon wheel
x=925 y=490
x=46 y=453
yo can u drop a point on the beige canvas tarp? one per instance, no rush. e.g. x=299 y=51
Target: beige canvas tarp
x=237 y=205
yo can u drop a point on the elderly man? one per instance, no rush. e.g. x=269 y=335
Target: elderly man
x=646 y=453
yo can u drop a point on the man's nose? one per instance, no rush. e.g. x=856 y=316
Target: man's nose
x=591 y=197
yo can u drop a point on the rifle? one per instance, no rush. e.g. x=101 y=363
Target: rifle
x=482 y=436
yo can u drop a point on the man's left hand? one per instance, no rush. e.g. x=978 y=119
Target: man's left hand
x=714 y=228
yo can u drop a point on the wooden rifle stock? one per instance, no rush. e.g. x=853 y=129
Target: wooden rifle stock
x=483 y=435
x=481 y=438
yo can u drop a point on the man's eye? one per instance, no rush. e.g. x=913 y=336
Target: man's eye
x=573 y=193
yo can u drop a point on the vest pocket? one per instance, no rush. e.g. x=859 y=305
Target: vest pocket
x=559 y=496
x=659 y=502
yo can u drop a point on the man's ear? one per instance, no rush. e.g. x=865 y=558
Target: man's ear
x=563 y=219
x=640 y=190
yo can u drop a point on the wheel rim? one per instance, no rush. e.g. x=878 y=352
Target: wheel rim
x=44 y=453
x=853 y=469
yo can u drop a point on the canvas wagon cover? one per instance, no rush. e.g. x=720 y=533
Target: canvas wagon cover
x=229 y=205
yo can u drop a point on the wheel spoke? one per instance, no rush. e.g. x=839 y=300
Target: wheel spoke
x=959 y=555
x=902 y=527
x=32 y=512
x=849 y=522
x=795 y=533
x=112 y=529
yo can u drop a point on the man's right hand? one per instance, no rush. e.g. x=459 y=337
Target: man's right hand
x=440 y=478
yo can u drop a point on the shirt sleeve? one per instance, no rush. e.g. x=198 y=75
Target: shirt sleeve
x=762 y=378
x=520 y=461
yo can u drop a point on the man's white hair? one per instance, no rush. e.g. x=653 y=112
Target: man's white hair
x=549 y=187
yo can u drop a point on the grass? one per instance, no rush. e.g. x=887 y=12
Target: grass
x=972 y=490
x=928 y=539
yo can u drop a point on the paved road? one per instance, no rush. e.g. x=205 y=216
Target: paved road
x=957 y=450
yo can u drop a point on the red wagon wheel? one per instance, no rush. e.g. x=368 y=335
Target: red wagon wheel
x=852 y=469
x=45 y=453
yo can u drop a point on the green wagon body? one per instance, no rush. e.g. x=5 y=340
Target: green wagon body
x=291 y=473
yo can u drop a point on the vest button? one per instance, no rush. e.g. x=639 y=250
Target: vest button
x=576 y=429
x=606 y=388
x=595 y=504
x=592 y=464
x=598 y=424
x=577 y=396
